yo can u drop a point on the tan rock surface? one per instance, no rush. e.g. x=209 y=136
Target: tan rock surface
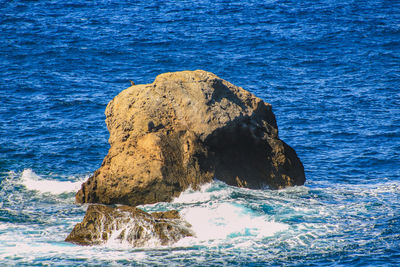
x=183 y=130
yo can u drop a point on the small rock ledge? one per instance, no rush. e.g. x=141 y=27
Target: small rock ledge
x=129 y=225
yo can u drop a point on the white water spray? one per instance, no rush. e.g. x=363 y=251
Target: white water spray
x=32 y=181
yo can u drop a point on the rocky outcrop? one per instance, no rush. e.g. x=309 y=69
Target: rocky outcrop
x=130 y=225
x=183 y=130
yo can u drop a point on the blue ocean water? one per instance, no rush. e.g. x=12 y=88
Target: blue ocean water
x=330 y=69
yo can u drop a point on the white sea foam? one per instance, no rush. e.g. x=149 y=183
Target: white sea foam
x=32 y=181
x=223 y=223
x=227 y=221
x=26 y=243
x=213 y=224
x=31 y=251
x=205 y=193
x=129 y=225
x=215 y=217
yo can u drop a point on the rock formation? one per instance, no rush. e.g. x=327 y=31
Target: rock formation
x=128 y=224
x=183 y=130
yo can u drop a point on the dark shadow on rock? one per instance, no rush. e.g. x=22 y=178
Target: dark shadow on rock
x=248 y=153
x=222 y=91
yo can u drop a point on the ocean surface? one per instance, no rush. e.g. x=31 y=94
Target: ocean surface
x=330 y=69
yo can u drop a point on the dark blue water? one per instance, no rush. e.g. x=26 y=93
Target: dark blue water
x=330 y=69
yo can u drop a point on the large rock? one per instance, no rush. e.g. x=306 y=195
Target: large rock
x=128 y=224
x=183 y=130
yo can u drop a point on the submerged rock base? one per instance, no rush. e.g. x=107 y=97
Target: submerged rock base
x=130 y=225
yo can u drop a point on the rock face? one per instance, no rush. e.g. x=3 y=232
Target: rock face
x=183 y=130
x=128 y=224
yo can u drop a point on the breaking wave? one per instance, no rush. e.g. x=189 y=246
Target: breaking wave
x=313 y=222
x=32 y=181
x=216 y=217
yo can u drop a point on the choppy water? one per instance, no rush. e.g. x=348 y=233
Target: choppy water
x=330 y=69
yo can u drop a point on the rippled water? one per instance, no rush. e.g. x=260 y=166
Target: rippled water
x=330 y=69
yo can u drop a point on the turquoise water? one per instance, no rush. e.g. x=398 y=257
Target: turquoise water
x=330 y=69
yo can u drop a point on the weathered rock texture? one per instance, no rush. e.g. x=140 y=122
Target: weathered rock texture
x=183 y=130
x=128 y=224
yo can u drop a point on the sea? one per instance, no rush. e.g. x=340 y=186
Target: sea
x=330 y=69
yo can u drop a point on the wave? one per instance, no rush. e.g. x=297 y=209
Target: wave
x=207 y=192
x=237 y=222
x=217 y=217
x=229 y=221
x=34 y=182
